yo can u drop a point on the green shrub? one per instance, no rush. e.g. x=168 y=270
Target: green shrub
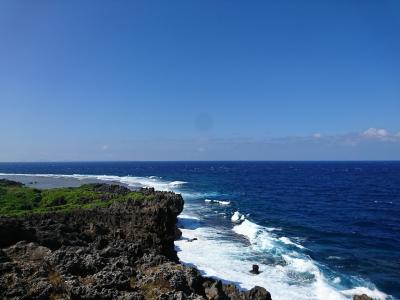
x=17 y=199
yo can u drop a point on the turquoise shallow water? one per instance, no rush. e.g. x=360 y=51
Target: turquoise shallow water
x=331 y=228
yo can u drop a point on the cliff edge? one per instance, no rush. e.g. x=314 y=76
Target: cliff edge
x=98 y=241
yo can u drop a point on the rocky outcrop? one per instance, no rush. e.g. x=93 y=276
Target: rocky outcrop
x=122 y=251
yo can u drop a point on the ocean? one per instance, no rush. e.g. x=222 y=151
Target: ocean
x=317 y=230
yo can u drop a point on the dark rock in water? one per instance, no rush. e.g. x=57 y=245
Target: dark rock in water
x=191 y=240
x=122 y=251
x=255 y=269
x=362 y=297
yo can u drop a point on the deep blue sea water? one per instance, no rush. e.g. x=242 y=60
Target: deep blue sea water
x=319 y=230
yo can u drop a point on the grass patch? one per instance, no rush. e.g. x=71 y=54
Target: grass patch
x=17 y=199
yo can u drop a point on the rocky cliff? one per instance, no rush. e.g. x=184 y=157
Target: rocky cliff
x=122 y=250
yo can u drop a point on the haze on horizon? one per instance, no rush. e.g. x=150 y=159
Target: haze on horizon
x=199 y=80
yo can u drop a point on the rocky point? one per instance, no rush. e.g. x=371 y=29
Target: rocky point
x=122 y=250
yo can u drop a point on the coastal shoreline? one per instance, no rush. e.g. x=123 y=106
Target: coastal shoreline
x=51 y=181
x=122 y=251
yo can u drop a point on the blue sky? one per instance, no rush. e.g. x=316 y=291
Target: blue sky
x=199 y=80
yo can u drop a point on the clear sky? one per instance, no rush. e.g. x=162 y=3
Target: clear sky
x=199 y=80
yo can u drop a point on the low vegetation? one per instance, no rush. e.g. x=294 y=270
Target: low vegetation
x=17 y=199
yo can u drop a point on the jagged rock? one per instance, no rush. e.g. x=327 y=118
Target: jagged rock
x=123 y=251
x=259 y=293
x=213 y=290
x=255 y=269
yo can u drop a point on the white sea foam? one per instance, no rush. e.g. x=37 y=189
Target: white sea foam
x=186 y=216
x=336 y=280
x=232 y=261
x=247 y=228
x=221 y=202
x=334 y=257
x=229 y=261
x=299 y=278
x=320 y=285
x=236 y=217
x=373 y=293
x=257 y=235
x=297 y=266
x=287 y=241
x=176 y=183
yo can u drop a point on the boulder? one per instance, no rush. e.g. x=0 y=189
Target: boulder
x=255 y=269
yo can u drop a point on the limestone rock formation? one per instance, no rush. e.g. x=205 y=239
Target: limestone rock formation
x=121 y=251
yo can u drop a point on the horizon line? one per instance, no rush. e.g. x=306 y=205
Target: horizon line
x=167 y=161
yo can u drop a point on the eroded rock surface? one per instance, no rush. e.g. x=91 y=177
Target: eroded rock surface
x=124 y=251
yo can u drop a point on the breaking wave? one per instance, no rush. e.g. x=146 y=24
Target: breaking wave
x=287 y=271
x=220 y=202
